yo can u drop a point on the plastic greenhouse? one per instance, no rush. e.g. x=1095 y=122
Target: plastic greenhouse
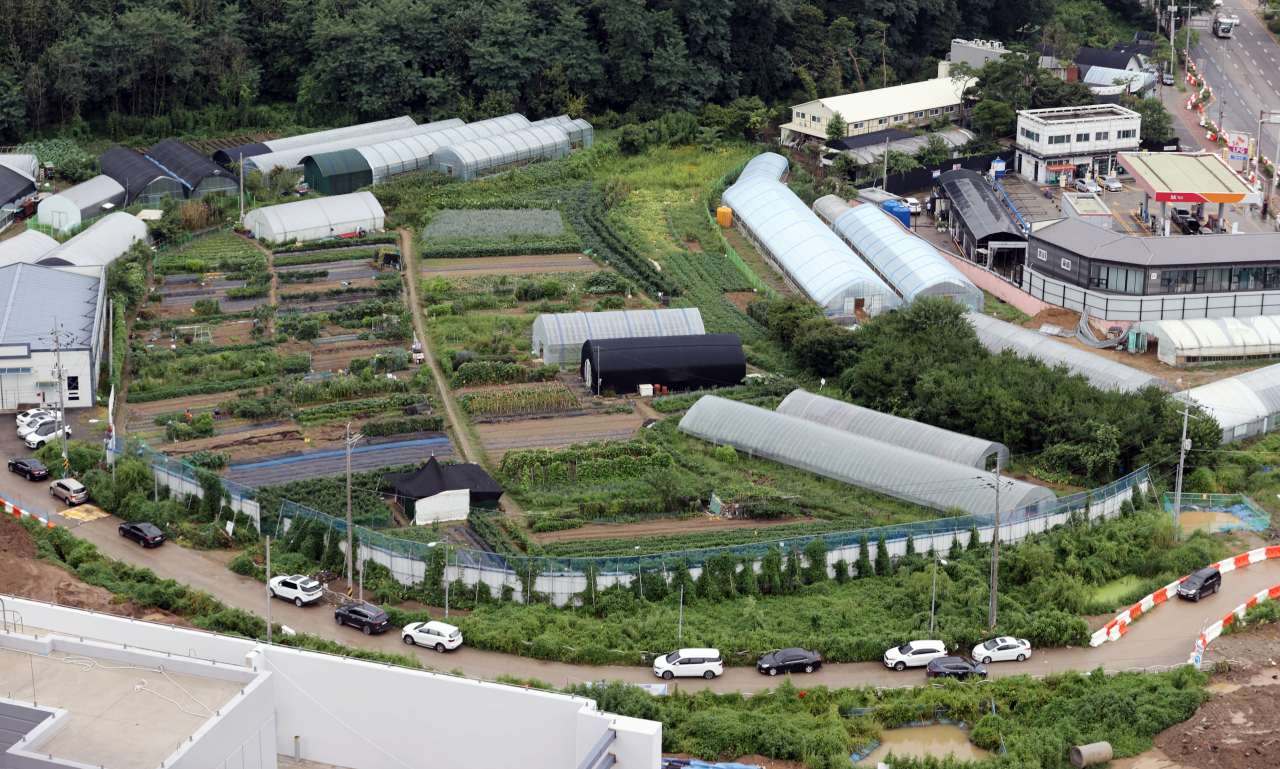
x=1103 y=374
x=338 y=172
x=770 y=165
x=1244 y=405
x=316 y=218
x=81 y=203
x=581 y=134
x=101 y=244
x=15 y=186
x=24 y=163
x=925 y=480
x=199 y=174
x=558 y=338
x=1205 y=340
x=906 y=433
x=143 y=180
x=557 y=120
x=233 y=154
x=691 y=362
x=27 y=247
x=291 y=159
x=904 y=259
x=500 y=154
x=807 y=253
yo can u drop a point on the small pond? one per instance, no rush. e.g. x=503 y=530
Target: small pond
x=934 y=740
x=1111 y=592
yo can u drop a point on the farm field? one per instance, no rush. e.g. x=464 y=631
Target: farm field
x=225 y=269
x=555 y=433
x=659 y=527
x=461 y=269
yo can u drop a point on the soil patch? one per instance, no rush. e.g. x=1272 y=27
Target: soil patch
x=556 y=433
x=741 y=299
x=249 y=444
x=294 y=291
x=659 y=527
x=1054 y=316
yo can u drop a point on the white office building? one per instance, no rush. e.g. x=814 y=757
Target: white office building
x=1064 y=143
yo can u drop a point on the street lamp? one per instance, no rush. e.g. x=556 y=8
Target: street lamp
x=933 y=605
x=446 y=574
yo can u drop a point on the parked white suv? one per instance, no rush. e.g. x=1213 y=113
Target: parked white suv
x=914 y=655
x=435 y=635
x=297 y=588
x=706 y=663
x=31 y=415
x=49 y=431
x=33 y=423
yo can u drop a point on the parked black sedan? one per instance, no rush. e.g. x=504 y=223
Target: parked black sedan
x=29 y=467
x=367 y=617
x=145 y=534
x=954 y=667
x=789 y=661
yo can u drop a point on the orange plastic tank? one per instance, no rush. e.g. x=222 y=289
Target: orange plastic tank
x=724 y=215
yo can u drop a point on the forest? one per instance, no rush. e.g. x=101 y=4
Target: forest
x=94 y=69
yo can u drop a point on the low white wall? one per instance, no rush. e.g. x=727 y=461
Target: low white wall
x=179 y=485
x=445 y=506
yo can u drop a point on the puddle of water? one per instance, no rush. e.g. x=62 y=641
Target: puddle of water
x=1205 y=519
x=1264 y=679
x=1223 y=688
x=1115 y=588
x=919 y=741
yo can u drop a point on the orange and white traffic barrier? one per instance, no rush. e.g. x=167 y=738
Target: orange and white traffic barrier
x=12 y=509
x=1120 y=625
x=1215 y=630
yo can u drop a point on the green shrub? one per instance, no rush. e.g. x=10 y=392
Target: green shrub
x=208 y=307
x=411 y=424
x=610 y=303
x=727 y=454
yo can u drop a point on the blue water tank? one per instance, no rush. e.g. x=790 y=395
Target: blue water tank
x=899 y=211
x=997 y=168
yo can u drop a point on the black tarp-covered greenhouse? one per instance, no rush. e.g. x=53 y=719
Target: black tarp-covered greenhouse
x=678 y=362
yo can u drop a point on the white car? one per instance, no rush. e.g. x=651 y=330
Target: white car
x=914 y=655
x=49 y=431
x=913 y=205
x=1002 y=650
x=434 y=635
x=704 y=663
x=33 y=424
x=297 y=588
x=1112 y=184
x=32 y=414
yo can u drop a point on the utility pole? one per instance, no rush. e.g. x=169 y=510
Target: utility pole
x=350 y=552
x=995 y=555
x=268 y=588
x=55 y=336
x=242 y=187
x=1182 y=455
x=885 y=182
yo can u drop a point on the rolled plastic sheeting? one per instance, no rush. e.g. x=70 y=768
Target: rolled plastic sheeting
x=1093 y=753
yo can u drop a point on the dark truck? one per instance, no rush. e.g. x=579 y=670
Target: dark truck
x=1184 y=221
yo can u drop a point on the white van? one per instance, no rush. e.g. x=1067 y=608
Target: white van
x=705 y=663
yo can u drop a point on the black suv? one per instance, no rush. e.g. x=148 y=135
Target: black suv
x=1200 y=584
x=954 y=667
x=365 y=616
x=30 y=468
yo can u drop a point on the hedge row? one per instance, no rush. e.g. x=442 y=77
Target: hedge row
x=403 y=425
x=503 y=249
x=364 y=406
x=356 y=254
x=205 y=388
x=318 y=245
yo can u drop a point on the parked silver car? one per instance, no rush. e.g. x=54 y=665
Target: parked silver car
x=1087 y=185
x=1112 y=184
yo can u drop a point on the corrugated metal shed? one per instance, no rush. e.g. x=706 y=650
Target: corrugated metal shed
x=977 y=204
x=870 y=464
x=906 y=433
x=32 y=297
x=558 y=338
x=337 y=173
x=26 y=247
x=1198 y=339
x=316 y=218
x=870 y=154
x=197 y=172
x=502 y=153
x=1085 y=239
x=1244 y=405
x=141 y=178
x=102 y=243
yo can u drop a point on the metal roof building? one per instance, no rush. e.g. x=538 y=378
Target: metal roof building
x=855 y=459
x=102 y=243
x=26 y=247
x=334 y=173
x=996 y=335
x=233 y=154
x=558 y=337
x=910 y=264
x=198 y=174
x=503 y=152
x=316 y=218
x=1244 y=405
x=770 y=165
x=143 y=180
x=291 y=159
x=1205 y=340
x=811 y=258
x=80 y=203
x=870 y=154
x=905 y=433
x=977 y=219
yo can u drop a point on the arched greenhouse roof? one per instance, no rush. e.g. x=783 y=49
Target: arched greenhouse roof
x=906 y=433
x=870 y=464
x=1199 y=338
x=907 y=261
x=558 y=338
x=1244 y=405
x=996 y=335
x=316 y=218
x=291 y=159
x=232 y=154
x=770 y=165
x=557 y=120
x=134 y=171
x=102 y=243
x=502 y=151
x=414 y=152
x=27 y=247
x=186 y=163
x=812 y=257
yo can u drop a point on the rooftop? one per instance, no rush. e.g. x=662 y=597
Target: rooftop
x=897 y=100
x=32 y=297
x=1186 y=177
x=1071 y=114
x=1087 y=203
x=1097 y=243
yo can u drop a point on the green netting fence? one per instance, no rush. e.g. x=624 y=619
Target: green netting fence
x=754 y=279
x=1214 y=513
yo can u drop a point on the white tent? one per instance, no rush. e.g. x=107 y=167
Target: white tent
x=27 y=164
x=317 y=218
x=27 y=247
x=102 y=243
x=81 y=202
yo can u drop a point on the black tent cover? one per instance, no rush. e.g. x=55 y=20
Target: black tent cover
x=14 y=185
x=433 y=478
x=233 y=154
x=186 y=163
x=131 y=170
x=679 y=362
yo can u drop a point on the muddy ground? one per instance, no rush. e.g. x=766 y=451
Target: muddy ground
x=660 y=527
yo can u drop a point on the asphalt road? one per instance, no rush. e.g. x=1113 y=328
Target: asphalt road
x=1166 y=636
x=1245 y=74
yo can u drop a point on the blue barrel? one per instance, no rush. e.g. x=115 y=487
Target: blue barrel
x=899 y=211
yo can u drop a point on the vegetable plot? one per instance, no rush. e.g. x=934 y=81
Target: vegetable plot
x=585 y=464
x=494 y=223
x=519 y=401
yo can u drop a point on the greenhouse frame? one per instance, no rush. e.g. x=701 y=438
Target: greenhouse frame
x=352 y=169
x=558 y=337
x=144 y=182
x=1207 y=340
x=499 y=154
x=316 y=218
x=231 y=155
x=770 y=165
x=854 y=459
x=904 y=433
x=291 y=159
x=810 y=257
x=27 y=247
x=692 y=362
x=903 y=259
x=1244 y=405
x=102 y=243
x=198 y=173
x=557 y=120
x=581 y=134
x=81 y=203
x=996 y=335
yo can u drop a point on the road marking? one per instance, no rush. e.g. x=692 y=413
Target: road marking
x=85 y=513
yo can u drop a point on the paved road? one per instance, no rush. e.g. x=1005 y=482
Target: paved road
x=1165 y=637
x=1244 y=73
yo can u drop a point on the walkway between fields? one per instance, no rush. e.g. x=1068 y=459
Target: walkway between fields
x=1164 y=637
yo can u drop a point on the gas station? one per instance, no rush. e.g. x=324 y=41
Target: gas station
x=1190 y=180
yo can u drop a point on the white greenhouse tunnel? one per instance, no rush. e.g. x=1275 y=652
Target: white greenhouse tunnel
x=315 y=219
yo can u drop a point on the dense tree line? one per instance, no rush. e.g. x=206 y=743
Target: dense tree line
x=156 y=67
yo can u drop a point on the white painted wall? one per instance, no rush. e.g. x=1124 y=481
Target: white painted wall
x=445 y=506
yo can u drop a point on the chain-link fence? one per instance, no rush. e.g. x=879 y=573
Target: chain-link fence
x=182 y=478
x=1215 y=513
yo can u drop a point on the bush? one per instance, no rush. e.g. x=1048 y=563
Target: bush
x=404 y=425
x=208 y=307
x=610 y=303
x=727 y=454
x=307 y=330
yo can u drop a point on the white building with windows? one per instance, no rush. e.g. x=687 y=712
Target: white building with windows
x=901 y=106
x=1064 y=143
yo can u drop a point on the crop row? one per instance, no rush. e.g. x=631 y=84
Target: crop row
x=343 y=388
x=493 y=223
x=432 y=423
x=586 y=214
x=515 y=462
x=519 y=400
x=323 y=245
x=358 y=408
x=705 y=278
x=668 y=543
x=205 y=388
x=359 y=254
x=489 y=372
x=168 y=324
x=300 y=276
x=500 y=249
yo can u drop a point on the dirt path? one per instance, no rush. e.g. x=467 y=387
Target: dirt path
x=659 y=527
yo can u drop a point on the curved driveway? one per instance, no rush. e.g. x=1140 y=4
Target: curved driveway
x=1166 y=636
